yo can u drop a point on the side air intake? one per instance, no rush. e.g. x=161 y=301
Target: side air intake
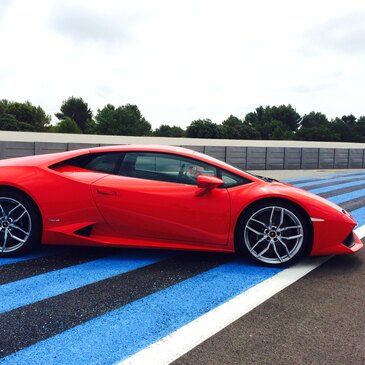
x=86 y=231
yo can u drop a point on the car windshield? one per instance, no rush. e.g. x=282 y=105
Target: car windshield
x=218 y=161
x=264 y=178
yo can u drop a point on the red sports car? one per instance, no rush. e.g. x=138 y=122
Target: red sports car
x=163 y=197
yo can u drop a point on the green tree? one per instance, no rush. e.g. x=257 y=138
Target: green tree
x=313 y=120
x=3 y=106
x=287 y=115
x=317 y=134
x=203 y=128
x=41 y=121
x=359 y=129
x=349 y=120
x=279 y=131
x=8 y=122
x=78 y=110
x=67 y=125
x=316 y=127
x=345 y=127
x=125 y=120
x=257 y=119
x=25 y=116
x=106 y=121
x=264 y=120
x=235 y=128
x=23 y=112
x=165 y=130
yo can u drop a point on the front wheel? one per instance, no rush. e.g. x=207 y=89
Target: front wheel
x=275 y=234
x=19 y=223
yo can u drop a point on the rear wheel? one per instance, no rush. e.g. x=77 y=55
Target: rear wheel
x=273 y=233
x=20 y=224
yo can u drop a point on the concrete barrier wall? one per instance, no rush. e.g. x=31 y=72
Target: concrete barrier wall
x=237 y=156
x=250 y=158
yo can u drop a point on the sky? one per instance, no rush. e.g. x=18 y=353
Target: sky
x=184 y=60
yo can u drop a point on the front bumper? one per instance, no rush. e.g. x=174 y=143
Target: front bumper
x=353 y=243
x=350 y=244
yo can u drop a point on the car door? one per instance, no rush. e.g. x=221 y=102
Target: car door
x=155 y=196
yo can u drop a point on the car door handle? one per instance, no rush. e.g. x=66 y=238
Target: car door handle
x=106 y=192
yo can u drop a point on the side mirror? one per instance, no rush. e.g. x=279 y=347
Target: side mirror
x=208 y=182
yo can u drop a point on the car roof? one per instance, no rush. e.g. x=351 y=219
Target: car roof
x=54 y=158
x=138 y=147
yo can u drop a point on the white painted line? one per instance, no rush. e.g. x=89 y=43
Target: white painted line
x=360 y=231
x=191 y=335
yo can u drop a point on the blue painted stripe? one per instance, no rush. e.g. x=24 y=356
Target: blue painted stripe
x=339 y=180
x=12 y=260
x=44 y=251
x=317 y=178
x=338 y=186
x=122 y=332
x=359 y=216
x=338 y=199
x=326 y=176
x=36 y=288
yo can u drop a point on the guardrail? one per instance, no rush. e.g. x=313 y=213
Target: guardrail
x=243 y=157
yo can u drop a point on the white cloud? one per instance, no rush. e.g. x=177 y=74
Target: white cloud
x=182 y=60
x=87 y=21
x=342 y=34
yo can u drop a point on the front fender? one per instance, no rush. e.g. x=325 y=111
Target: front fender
x=331 y=224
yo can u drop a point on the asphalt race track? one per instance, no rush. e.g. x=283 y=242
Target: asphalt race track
x=65 y=305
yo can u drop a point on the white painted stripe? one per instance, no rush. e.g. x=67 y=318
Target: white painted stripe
x=360 y=231
x=191 y=335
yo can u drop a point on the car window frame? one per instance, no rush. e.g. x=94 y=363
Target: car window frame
x=74 y=161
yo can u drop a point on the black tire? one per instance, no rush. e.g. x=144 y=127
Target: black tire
x=20 y=223
x=275 y=244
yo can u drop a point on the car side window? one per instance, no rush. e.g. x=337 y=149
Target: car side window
x=231 y=179
x=164 y=167
x=101 y=162
x=104 y=163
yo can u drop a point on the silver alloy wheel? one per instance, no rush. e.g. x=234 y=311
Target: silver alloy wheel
x=273 y=235
x=15 y=225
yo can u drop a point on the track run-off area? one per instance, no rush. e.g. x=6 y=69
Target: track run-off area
x=69 y=305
